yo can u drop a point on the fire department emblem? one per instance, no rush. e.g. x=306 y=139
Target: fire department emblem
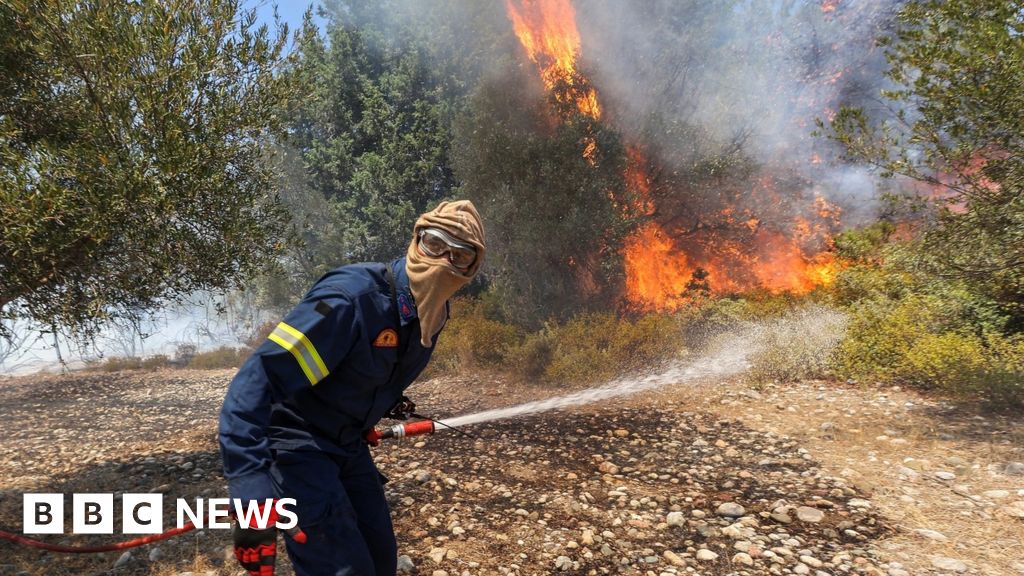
x=387 y=338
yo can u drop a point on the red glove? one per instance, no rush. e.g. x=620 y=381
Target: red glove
x=256 y=549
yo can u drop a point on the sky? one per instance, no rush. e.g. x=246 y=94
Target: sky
x=290 y=11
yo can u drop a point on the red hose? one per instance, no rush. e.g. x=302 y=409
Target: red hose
x=95 y=549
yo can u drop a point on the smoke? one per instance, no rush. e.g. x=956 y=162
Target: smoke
x=700 y=77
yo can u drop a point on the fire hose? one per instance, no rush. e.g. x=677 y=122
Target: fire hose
x=373 y=437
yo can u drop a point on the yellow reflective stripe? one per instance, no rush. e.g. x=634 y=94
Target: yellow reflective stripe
x=308 y=346
x=289 y=346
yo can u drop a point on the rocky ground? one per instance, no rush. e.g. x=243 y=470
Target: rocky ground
x=710 y=479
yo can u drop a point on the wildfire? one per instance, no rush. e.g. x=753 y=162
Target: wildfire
x=547 y=31
x=742 y=247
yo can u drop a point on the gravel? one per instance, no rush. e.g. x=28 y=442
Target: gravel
x=558 y=492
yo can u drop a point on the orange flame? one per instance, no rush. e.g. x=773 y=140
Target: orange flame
x=547 y=31
x=664 y=271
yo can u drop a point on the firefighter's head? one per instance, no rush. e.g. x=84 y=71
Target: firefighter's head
x=446 y=251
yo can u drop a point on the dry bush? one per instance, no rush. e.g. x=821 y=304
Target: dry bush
x=119 y=363
x=472 y=340
x=594 y=347
x=223 y=357
x=587 y=348
x=797 y=346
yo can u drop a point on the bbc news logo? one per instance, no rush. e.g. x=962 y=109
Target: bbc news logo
x=144 y=513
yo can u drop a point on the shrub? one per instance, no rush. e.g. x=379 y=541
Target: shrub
x=797 y=346
x=122 y=363
x=223 y=357
x=260 y=335
x=471 y=339
x=119 y=363
x=594 y=347
x=156 y=361
x=587 y=348
x=933 y=343
x=532 y=358
x=184 y=352
x=582 y=349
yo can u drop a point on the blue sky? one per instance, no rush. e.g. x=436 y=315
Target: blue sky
x=290 y=11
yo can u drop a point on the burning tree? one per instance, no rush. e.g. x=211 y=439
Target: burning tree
x=552 y=217
x=706 y=202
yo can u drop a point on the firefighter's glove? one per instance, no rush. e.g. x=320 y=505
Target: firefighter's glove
x=402 y=409
x=256 y=548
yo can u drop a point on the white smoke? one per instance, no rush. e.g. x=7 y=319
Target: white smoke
x=759 y=73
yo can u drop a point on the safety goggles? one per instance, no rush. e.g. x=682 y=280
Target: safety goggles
x=437 y=243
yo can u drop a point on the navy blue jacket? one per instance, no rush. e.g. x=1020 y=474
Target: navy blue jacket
x=325 y=376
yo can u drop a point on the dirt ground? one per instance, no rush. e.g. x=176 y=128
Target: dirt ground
x=713 y=478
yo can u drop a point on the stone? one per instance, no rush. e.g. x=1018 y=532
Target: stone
x=587 y=539
x=675 y=519
x=811 y=561
x=996 y=494
x=743 y=558
x=859 y=503
x=563 y=563
x=810 y=515
x=621 y=433
x=950 y=564
x=801 y=569
x=931 y=534
x=156 y=554
x=1016 y=509
x=437 y=554
x=781 y=517
x=405 y=564
x=673 y=558
x=944 y=475
x=1014 y=469
x=439 y=573
x=910 y=473
x=705 y=555
x=123 y=560
x=731 y=510
x=608 y=468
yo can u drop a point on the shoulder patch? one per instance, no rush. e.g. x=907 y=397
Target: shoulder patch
x=323 y=308
x=387 y=338
x=405 y=308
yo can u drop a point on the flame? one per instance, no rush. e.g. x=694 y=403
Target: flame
x=547 y=31
x=738 y=252
x=745 y=247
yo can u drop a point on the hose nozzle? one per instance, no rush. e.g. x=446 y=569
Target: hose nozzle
x=373 y=437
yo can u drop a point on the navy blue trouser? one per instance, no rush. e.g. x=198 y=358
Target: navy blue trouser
x=341 y=507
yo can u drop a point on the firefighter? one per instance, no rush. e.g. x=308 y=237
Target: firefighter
x=295 y=416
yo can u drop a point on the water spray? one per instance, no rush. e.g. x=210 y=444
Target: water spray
x=817 y=328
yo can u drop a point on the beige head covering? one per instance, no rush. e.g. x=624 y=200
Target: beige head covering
x=434 y=280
